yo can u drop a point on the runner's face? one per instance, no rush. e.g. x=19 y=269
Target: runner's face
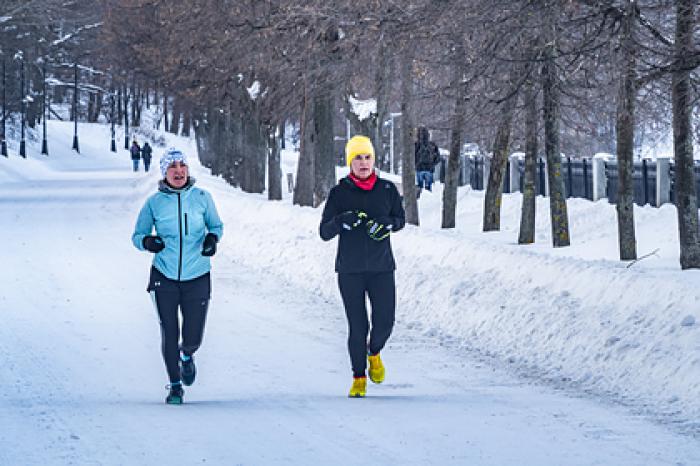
x=176 y=175
x=362 y=166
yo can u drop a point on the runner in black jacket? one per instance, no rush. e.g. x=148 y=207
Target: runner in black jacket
x=364 y=209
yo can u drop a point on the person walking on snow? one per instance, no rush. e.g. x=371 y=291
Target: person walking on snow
x=146 y=152
x=187 y=230
x=135 y=154
x=427 y=157
x=363 y=210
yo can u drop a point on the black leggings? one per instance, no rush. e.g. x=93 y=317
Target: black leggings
x=192 y=299
x=380 y=288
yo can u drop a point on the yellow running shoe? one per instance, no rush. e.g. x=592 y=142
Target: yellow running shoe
x=359 y=387
x=376 y=368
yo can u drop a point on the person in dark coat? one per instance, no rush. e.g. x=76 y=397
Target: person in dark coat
x=427 y=156
x=146 y=152
x=363 y=210
x=135 y=154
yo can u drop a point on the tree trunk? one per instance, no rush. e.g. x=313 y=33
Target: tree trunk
x=228 y=147
x=366 y=127
x=73 y=105
x=139 y=108
x=557 y=200
x=177 y=113
x=685 y=191
x=494 y=189
x=625 y=138
x=33 y=108
x=126 y=118
x=166 y=126
x=274 y=169
x=283 y=131
x=449 y=194
x=254 y=150
x=98 y=106
x=186 y=122
x=202 y=138
x=134 y=104
x=304 y=186
x=527 y=218
x=324 y=154
x=408 y=163
x=120 y=111
x=382 y=84
x=221 y=142
x=94 y=106
x=91 y=107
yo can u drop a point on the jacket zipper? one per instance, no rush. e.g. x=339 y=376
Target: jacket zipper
x=179 y=224
x=367 y=238
x=186 y=226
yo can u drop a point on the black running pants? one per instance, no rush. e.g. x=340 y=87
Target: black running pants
x=381 y=290
x=191 y=299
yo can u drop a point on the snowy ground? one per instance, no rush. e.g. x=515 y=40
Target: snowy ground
x=82 y=379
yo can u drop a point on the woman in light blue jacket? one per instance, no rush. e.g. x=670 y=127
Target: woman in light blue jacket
x=187 y=230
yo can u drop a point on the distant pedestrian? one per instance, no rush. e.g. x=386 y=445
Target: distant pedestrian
x=180 y=226
x=146 y=152
x=427 y=156
x=135 y=154
x=363 y=210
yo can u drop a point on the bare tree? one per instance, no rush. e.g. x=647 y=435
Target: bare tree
x=274 y=172
x=686 y=195
x=557 y=200
x=460 y=84
x=527 y=217
x=408 y=167
x=494 y=189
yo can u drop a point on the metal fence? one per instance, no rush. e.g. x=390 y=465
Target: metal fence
x=643 y=182
x=578 y=178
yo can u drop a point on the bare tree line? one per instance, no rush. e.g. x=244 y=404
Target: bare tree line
x=543 y=76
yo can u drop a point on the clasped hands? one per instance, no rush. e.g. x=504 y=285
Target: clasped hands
x=377 y=229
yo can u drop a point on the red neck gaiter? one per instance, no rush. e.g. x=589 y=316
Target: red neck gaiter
x=366 y=184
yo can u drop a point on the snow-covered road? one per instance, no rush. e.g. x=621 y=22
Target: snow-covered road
x=82 y=382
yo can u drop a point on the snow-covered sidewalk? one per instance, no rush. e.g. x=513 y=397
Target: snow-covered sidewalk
x=82 y=379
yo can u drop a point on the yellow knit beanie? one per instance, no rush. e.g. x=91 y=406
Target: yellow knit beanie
x=358 y=145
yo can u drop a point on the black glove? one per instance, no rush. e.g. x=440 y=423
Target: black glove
x=350 y=219
x=209 y=245
x=153 y=243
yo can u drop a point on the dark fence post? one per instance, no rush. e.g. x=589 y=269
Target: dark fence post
x=645 y=180
x=540 y=164
x=479 y=173
x=570 y=175
x=472 y=171
x=585 y=179
x=672 y=176
x=521 y=169
x=506 y=181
